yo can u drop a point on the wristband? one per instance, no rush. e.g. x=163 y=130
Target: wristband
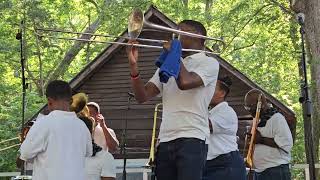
x=135 y=76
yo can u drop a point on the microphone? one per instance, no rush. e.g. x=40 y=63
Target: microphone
x=300 y=18
x=130 y=94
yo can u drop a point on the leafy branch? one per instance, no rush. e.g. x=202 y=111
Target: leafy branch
x=247 y=23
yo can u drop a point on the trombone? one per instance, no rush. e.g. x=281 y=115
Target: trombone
x=136 y=22
x=7 y=141
x=249 y=158
x=151 y=163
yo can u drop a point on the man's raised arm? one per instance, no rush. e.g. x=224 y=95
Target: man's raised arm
x=142 y=92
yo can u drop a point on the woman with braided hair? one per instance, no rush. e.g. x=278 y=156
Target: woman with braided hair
x=99 y=165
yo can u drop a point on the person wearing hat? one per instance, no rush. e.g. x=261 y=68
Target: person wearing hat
x=104 y=136
x=223 y=160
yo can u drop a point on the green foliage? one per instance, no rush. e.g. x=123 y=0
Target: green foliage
x=261 y=40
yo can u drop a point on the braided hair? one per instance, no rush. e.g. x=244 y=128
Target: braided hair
x=89 y=123
x=225 y=84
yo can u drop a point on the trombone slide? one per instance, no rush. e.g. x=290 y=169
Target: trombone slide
x=249 y=158
x=152 y=147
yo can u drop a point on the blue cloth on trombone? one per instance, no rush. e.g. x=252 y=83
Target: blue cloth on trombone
x=171 y=64
x=162 y=57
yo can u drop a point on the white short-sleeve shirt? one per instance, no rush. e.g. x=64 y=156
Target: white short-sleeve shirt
x=100 y=165
x=100 y=139
x=265 y=156
x=185 y=112
x=223 y=139
x=58 y=144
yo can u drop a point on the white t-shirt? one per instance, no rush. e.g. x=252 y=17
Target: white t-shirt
x=265 y=156
x=100 y=165
x=223 y=139
x=100 y=139
x=28 y=166
x=185 y=112
x=58 y=144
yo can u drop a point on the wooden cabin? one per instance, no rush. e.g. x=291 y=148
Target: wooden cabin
x=106 y=80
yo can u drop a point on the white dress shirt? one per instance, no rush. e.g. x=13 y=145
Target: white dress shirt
x=185 y=112
x=223 y=139
x=58 y=144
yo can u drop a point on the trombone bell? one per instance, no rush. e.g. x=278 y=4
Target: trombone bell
x=135 y=23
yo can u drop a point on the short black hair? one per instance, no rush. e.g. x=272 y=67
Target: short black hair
x=198 y=26
x=225 y=83
x=59 y=90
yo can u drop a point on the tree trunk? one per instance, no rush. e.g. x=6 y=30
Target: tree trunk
x=315 y=85
x=185 y=3
x=78 y=45
x=41 y=90
x=311 y=9
x=73 y=51
x=208 y=5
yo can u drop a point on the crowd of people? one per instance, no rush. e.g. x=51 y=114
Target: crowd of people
x=198 y=132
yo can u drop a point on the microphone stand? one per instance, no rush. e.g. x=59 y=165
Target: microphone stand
x=19 y=36
x=124 y=136
x=306 y=103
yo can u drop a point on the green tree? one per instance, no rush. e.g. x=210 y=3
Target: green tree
x=261 y=36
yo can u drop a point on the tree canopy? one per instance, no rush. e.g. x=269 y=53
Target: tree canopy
x=262 y=41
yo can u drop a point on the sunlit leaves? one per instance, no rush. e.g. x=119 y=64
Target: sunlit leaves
x=262 y=43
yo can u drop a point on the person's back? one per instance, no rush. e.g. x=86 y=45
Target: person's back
x=100 y=165
x=57 y=143
x=66 y=145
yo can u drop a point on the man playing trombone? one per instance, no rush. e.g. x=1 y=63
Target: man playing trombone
x=273 y=140
x=186 y=95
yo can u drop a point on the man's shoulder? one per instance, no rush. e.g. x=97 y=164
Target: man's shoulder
x=43 y=120
x=231 y=111
x=278 y=120
x=80 y=123
x=278 y=117
x=205 y=60
x=223 y=109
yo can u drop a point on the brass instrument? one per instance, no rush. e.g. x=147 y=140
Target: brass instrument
x=25 y=130
x=136 y=22
x=249 y=158
x=11 y=146
x=151 y=163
